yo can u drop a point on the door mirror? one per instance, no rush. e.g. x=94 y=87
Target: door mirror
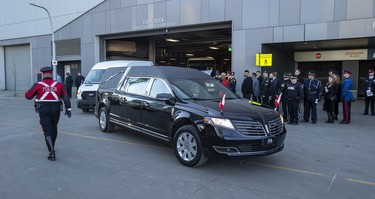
x=168 y=98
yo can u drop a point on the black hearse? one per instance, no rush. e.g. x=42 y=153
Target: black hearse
x=181 y=106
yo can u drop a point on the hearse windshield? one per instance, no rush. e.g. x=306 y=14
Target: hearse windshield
x=200 y=89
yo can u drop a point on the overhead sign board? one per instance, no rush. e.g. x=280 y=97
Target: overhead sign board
x=333 y=55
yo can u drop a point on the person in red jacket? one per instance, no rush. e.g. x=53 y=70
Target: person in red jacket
x=49 y=95
x=223 y=79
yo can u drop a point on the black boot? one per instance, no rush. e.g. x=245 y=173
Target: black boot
x=332 y=118
x=329 y=118
x=51 y=149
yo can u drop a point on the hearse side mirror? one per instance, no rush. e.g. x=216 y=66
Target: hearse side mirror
x=168 y=98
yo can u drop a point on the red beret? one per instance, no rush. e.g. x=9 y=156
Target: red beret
x=347 y=72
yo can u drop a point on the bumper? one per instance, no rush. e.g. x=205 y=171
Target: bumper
x=238 y=145
x=85 y=104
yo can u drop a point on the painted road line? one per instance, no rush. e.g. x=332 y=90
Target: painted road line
x=287 y=169
x=361 y=181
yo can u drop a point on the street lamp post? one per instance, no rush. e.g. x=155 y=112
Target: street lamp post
x=54 y=63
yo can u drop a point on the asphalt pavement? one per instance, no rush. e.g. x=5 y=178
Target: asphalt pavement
x=318 y=161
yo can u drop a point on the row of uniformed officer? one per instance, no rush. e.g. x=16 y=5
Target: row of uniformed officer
x=48 y=96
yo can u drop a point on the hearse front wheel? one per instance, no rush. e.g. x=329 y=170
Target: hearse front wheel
x=188 y=148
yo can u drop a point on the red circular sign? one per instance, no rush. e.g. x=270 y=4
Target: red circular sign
x=318 y=55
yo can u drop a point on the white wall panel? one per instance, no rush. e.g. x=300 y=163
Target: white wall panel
x=19 y=19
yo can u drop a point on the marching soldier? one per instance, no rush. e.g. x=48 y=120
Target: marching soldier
x=284 y=99
x=294 y=95
x=49 y=94
x=312 y=92
x=369 y=92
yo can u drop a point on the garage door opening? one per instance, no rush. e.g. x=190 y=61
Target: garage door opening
x=174 y=47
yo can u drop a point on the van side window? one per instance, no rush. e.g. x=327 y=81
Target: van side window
x=158 y=87
x=137 y=85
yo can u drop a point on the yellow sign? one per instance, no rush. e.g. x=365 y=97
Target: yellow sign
x=265 y=60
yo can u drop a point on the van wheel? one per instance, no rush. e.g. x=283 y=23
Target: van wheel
x=104 y=123
x=85 y=110
x=188 y=148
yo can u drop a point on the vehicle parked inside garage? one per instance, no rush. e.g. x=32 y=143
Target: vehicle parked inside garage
x=87 y=91
x=181 y=106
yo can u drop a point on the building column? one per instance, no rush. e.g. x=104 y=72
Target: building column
x=151 y=51
x=2 y=68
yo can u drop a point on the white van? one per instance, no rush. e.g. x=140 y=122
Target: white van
x=86 y=94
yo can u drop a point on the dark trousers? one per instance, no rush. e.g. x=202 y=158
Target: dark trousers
x=255 y=99
x=49 y=118
x=266 y=101
x=309 y=105
x=330 y=108
x=346 y=106
x=336 y=108
x=247 y=95
x=293 y=111
x=369 y=100
x=284 y=105
x=69 y=91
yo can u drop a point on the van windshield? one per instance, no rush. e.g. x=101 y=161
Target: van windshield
x=206 y=66
x=94 y=76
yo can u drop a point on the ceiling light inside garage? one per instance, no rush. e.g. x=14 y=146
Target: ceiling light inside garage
x=214 y=48
x=189 y=54
x=172 y=40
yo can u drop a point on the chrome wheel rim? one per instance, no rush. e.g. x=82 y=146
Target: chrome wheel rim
x=187 y=147
x=102 y=120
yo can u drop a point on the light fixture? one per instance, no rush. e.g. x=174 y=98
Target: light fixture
x=189 y=54
x=172 y=59
x=226 y=59
x=172 y=40
x=214 y=48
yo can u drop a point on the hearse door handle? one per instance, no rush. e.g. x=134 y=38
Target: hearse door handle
x=145 y=104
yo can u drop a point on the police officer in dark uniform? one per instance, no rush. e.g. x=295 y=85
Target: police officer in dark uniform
x=284 y=99
x=49 y=94
x=294 y=96
x=369 y=84
x=312 y=92
x=265 y=89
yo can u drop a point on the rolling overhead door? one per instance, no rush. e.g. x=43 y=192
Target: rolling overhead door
x=17 y=67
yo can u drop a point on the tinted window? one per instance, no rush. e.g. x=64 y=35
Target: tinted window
x=200 y=89
x=138 y=85
x=111 y=77
x=158 y=87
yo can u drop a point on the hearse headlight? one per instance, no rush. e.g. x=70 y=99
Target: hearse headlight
x=226 y=123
